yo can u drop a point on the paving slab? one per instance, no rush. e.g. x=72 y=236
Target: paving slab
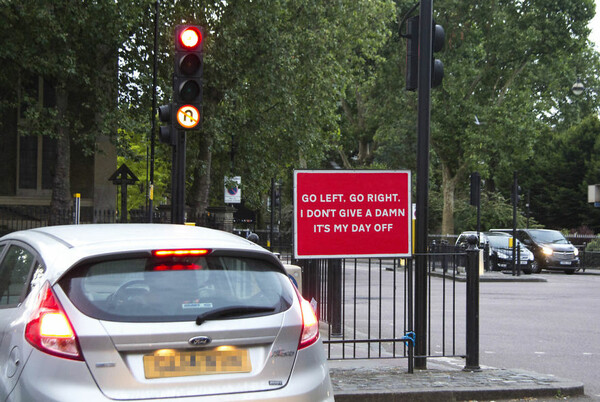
x=443 y=380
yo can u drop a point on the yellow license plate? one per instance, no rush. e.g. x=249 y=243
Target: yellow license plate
x=177 y=363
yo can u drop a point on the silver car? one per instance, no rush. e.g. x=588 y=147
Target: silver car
x=155 y=313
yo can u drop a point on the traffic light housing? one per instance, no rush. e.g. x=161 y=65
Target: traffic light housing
x=412 y=54
x=187 y=77
x=437 y=43
x=475 y=196
x=167 y=133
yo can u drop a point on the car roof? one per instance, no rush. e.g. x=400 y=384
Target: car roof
x=63 y=246
x=524 y=230
x=484 y=233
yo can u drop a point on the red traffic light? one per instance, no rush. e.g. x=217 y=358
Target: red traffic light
x=190 y=38
x=187 y=77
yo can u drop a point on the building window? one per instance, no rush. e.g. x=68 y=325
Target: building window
x=28 y=151
x=36 y=152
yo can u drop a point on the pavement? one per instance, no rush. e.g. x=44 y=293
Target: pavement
x=445 y=379
x=491 y=276
x=506 y=276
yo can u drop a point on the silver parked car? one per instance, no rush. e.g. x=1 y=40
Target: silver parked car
x=155 y=313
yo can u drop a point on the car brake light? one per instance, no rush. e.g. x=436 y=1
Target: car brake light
x=181 y=252
x=310 y=324
x=49 y=328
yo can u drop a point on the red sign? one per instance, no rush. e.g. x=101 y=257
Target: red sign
x=365 y=213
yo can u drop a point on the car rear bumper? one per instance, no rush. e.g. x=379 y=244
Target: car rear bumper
x=48 y=378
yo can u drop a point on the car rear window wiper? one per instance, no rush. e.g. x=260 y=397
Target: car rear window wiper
x=232 y=311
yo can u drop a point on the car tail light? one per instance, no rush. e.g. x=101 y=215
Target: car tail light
x=49 y=328
x=310 y=323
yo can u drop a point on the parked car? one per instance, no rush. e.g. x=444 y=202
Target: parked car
x=550 y=248
x=500 y=251
x=152 y=312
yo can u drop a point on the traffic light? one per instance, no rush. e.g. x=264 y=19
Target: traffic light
x=475 y=189
x=167 y=134
x=187 y=79
x=412 y=54
x=437 y=43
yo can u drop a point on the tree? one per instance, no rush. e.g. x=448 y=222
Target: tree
x=571 y=161
x=275 y=73
x=507 y=66
x=74 y=47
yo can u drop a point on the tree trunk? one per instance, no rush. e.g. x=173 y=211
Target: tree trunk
x=448 y=187
x=61 y=190
x=364 y=150
x=201 y=187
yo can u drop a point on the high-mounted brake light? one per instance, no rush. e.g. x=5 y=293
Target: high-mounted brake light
x=49 y=328
x=181 y=252
x=310 y=323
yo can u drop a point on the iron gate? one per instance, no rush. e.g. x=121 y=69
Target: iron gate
x=365 y=306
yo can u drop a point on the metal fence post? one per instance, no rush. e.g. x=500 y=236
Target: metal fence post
x=310 y=282
x=472 y=305
x=334 y=296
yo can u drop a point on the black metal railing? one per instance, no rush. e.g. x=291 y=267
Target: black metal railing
x=365 y=306
x=13 y=218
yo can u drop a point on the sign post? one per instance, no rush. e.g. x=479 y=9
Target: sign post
x=351 y=214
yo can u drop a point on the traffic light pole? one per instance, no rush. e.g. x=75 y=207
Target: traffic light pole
x=516 y=269
x=150 y=189
x=423 y=130
x=178 y=179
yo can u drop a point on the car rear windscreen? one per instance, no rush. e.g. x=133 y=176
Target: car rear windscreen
x=162 y=289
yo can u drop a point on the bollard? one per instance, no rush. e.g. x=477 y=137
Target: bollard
x=518 y=260
x=77 y=209
x=472 y=305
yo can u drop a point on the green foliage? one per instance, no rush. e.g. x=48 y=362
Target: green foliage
x=276 y=72
x=133 y=151
x=74 y=47
x=594 y=245
x=299 y=84
x=496 y=213
x=559 y=180
x=509 y=68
